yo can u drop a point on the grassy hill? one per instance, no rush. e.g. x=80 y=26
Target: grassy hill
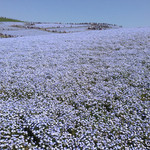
x=4 y=19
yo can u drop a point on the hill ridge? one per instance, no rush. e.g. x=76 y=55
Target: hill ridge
x=5 y=19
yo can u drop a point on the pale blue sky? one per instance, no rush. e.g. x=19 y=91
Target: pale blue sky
x=129 y=13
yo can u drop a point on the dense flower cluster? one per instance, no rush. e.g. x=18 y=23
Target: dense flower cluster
x=87 y=90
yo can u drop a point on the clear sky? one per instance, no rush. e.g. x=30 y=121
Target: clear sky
x=129 y=13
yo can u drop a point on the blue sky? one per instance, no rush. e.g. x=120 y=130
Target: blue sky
x=129 y=13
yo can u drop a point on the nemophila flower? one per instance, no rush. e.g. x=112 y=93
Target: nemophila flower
x=64 y=95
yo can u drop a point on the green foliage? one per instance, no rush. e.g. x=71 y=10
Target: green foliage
x=4 y=19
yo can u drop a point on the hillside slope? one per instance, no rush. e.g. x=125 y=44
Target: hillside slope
x=83 y=90
x=4 y=19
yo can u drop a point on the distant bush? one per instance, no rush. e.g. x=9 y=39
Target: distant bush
x=5 y=36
